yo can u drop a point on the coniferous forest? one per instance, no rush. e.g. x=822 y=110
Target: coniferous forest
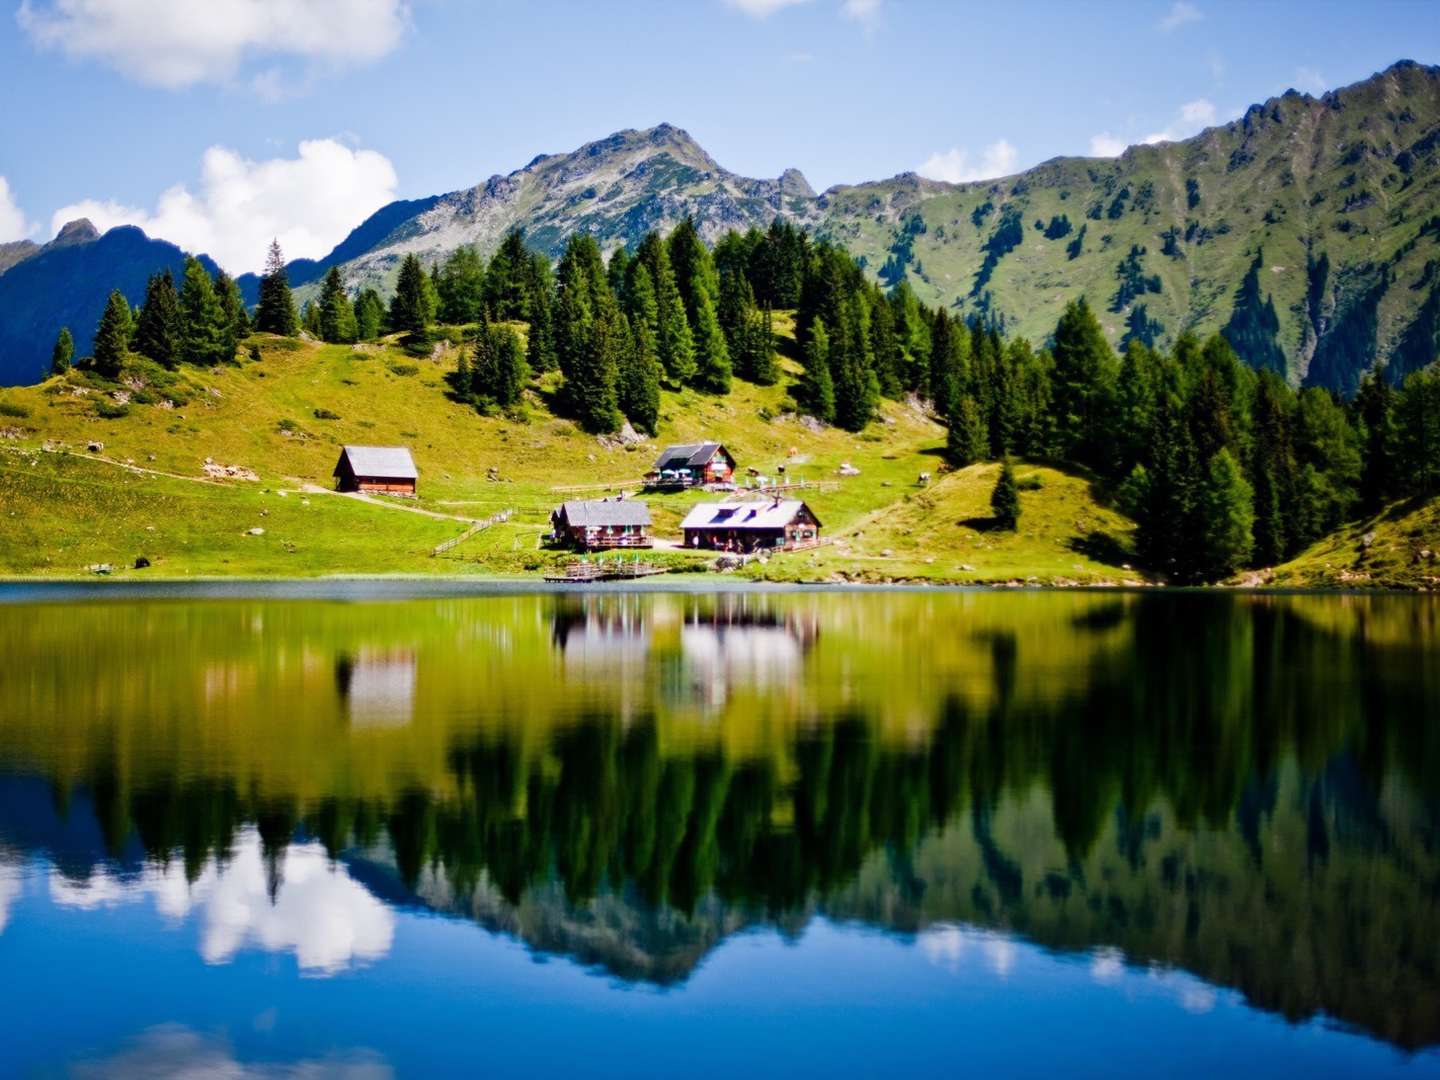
x=1222 y=465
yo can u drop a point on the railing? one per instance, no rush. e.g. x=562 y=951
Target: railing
x=479 y=526
x=628 y=540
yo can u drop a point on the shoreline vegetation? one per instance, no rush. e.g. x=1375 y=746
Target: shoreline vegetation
x=197 y=442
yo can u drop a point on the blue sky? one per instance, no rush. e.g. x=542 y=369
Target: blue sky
x=216 y=123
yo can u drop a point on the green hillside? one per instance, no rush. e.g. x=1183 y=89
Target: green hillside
x=145 y=492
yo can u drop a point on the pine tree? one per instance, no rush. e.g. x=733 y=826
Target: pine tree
x=695 y=274
x=640 y=378
x=1226 y=517
x=112 y=336
x=1272 y=474
x=817 y=389
x=369 y=315
x=157 y=331
x=673 y=340
x=410 y=308
x=1082 y=380
x=539 y=300
x=1005 y=498
x=204 y=332
x=310 y=319
x=589 y=336
x=463 y=286
x=498 y=372
x=966 y=442
x=1167 y=499
x=276 y=313
x=337 y=317
x=508 y=290
x=712 y=357
x=1375 y=406
x=62 y=353
x=232 y=308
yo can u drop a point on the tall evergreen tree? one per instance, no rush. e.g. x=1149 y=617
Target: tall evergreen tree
x=966 y=442
x=817 y=389
x=462 y=287
x=640 y=371
x=673 y=340
x=508 y=288
x=1225 y=519
x=369 y=315
x=712 y=357
x=498 y=371
x=1082 y=384
x=158 y=329
x=410 y=308
x=112 y=336
x=204 y=333
x=1005 y=498
x=337 y=317
x=695 y=274
x=539 y=302
x=232 y=308
x=63 y=352
x=276 y=313
x=1375 y=406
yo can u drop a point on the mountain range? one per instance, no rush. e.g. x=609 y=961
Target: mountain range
x=1307 y=230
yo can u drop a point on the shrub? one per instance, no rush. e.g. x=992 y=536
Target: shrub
x=1033 y=482
x=399 y=368
x=13 y=408
x=108 y=410
x=326 y=414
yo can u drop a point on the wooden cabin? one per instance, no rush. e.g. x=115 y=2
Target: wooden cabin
x=389 y=470
x=755 y=525
x=601 y=524
x=692 y=464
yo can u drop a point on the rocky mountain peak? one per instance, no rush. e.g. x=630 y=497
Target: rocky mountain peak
x=793 y=182
x=79 y=231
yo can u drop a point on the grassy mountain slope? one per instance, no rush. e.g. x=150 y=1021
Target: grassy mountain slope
x=65 y=512
x=1399 y=548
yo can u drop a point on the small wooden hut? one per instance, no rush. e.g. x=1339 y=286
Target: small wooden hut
x=692 y=464
x=389 y=470
x=601 y=524
x=756 y=525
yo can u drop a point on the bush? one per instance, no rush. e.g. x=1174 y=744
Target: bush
x=254 y=352
x=398 y=368
x=108 y=410
x=326 y=414
x=12 y=408
x=1033 y=482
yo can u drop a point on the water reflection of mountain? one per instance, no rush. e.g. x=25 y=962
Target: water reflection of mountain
x=1236 y=789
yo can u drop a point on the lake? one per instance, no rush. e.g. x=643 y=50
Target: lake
x=360 y=833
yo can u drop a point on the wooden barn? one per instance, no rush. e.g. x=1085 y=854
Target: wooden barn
x=757 y=525
x=691 y=464
x=600 y=524
x=389 y=470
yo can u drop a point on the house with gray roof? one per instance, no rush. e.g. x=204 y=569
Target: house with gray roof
x=689 y=464
x=386 y=469
x=599 y=524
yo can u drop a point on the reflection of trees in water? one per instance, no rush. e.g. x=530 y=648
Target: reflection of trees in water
x=1239 y=792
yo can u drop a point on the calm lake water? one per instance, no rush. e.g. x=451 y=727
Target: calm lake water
x=777 y=833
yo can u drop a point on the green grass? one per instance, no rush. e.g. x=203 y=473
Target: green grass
x=1393 y=558
x=286 y=416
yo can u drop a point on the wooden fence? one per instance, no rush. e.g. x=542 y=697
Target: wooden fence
x=479 y=526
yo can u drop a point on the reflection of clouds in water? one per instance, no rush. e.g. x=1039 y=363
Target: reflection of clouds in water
x=173 y=1052
x=1107 y=965
x=378 y=687
x=322 y=915
x=945 y=946
x=9 y=889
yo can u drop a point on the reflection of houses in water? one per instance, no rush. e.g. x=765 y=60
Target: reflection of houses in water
x=744 y=640
x=377 y=686
x=601 y=634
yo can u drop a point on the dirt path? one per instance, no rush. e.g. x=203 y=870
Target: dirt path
x=126 y=465
x=388 y=504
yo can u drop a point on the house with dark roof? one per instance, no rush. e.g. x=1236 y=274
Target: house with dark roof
x=690 y=464
x=598 y=524
x=387 y=469
x=754 y=525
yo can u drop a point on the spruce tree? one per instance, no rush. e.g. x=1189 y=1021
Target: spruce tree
x=337 y=317
x=369 y=315
x=1225 y=518
x=673 y=340
x=276 y=313
x=310 y=319
x=232 y=307
x=508 y=289
x=62 y=353
x=695 y=274
x=539 y=300
x=817 y=389
x=712 y=357
x=498 y=372
x=462 y=288
x=1083 y=381
x=112 y=336
x=410 y=308
x=157 y=331
x=640 y=378
x=204 y=333
x=1005 y=498
x=1375 y=406
x=966 y=442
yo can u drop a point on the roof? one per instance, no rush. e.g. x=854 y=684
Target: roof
x=754 y=514
x=587 y=513
x=390 y=461
x=688 y=455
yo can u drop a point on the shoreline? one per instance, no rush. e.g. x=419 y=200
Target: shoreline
x=382 y=587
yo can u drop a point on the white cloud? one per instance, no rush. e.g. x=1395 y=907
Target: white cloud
x=1107 y=964
x=945 y=945
x=1180 y=14
x=175 y=1052
x=1193 y=117
x=310 y=203
x=1310 y=81
x=13 y=225
x=954 y=165
x=10 y=883
x=178 y=43
x=866 y=12
x=762 y=9
x=327 y=919
x=1106 y=145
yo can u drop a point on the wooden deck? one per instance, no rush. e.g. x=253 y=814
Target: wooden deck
x=583 y=573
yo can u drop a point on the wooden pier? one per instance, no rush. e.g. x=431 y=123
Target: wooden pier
x=583 y=572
